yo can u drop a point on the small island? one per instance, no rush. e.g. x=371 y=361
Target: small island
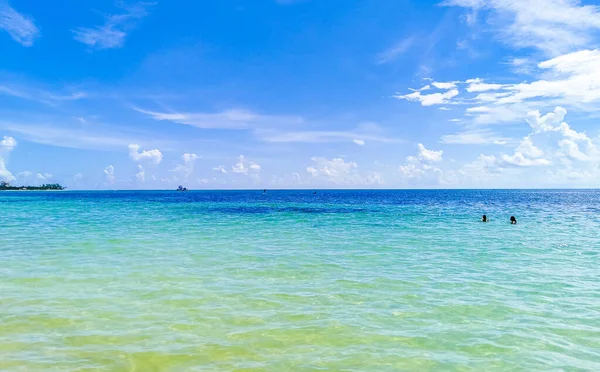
x=5 y=186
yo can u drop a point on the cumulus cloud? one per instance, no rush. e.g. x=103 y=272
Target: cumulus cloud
x=341 y=172
x=24 y=174
x=7 y=145
x=141 y=174
x=562 y=154
x=444 y=85
x=151 y=156
x=187 y=168
x=335 y=168
x=43 y=178
x=571 y=79
x=429 y=99
x=429 y=155
x=244 y=166
x=20 y=27
x=359 y=142
x=220 y=169
x=420 y=166
x=109 y=173
x=520 y=160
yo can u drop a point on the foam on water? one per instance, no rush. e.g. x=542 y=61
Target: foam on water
x=288 y=280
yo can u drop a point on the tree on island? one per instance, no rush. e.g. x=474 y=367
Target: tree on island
x=5 y=185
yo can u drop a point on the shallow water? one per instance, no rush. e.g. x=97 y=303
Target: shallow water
x=341 y=280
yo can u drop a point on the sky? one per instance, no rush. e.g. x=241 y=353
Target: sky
x=240 y=94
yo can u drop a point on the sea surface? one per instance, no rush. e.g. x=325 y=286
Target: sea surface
x=291 y=281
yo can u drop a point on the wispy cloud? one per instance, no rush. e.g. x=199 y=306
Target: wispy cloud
x=229 y=119
x=323 y=137
x=20 y=27
x=571 y=79
x=289 y=2
x=51 y=133
x=475 y=137
x=40 y=95
x=113 y=32
x=552 y=26
x=396 y=50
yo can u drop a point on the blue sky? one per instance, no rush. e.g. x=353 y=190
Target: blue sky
x=300 y=93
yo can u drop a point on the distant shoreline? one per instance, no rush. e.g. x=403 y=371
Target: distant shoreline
x=31 y=190
x=5 y=186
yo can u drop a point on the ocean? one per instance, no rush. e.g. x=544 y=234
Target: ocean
x=292 y=281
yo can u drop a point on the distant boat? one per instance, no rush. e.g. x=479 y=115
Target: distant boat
x=181 y=188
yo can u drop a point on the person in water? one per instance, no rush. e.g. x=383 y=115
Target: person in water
x=513 y=220
x=484 y=218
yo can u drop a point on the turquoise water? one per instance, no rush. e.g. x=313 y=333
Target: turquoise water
x=290 y=281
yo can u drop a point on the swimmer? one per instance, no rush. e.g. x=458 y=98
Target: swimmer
x=513 y=220
x=484 y=218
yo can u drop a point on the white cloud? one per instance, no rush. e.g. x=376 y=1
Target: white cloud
x=187 y=168
x=518 y=159
x=7 y=145
x=573 y=80
x=341 y=172
x=109 y=173
x=50 y=98
x=359 y=142
x=483 y=87
x=429 y=99
x=334 y=168
x=229 y=119
x=141 y=174
x=243 y=166
x=325 y=136
x=571 y=149
x=420 y=167
x=392 y=53
x=220 y=169
x=56 y=133
x=113 y=32
x=152 y=156
x=429 y=155
x=474 y=137
x=444 y=85
x=553 y=153
x=189 y=158
x=411 y=170
x=20 y=27
x=43 y=178
x=553 y=26
x=529 y=149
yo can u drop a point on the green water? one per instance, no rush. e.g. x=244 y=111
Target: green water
x=289 y=281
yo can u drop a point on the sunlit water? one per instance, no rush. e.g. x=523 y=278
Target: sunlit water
x=291 y=281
